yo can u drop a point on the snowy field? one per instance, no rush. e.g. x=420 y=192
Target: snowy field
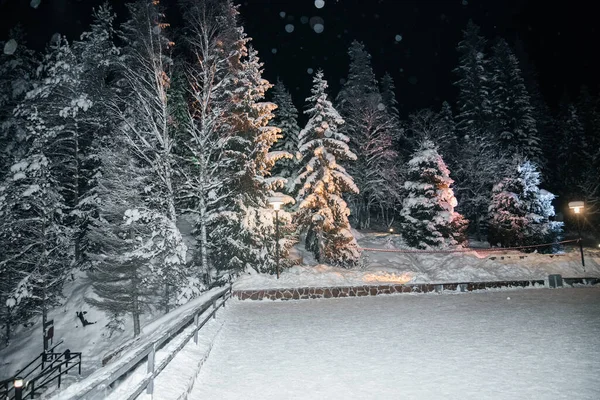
x=519 y=344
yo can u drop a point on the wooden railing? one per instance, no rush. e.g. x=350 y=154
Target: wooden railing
x=52 y=366
x=103 y=381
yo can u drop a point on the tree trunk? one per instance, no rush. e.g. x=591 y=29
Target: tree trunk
x=135 y=312
x=204 y=268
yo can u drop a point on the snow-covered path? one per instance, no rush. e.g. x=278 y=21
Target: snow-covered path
x=539 y=344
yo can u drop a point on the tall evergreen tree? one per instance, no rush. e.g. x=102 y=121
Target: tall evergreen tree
x=571 y=151
x=124 y=277
x=429 y=219
x=322 y=212
x=370 y=128
x=474 y=107
x=514 y=124
x=286 y=119
x=97 y=59
x=17 y=74
x=520 y=211
x=473 y=127
x=141 y=116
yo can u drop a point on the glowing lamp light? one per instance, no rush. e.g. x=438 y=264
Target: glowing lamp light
x=18 y=383
x=276 y=202
x=576 y=206
x=391 y=230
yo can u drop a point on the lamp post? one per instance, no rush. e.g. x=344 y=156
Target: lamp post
x=577 y=207
x=276 y=202
x=18 y=384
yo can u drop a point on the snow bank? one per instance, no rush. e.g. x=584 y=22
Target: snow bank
x=385 y=267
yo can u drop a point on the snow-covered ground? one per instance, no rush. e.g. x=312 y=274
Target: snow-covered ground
x=388 y=267
x=519 y=344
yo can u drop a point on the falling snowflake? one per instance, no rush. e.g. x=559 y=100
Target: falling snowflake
x=465 y=2
x=10 y=47
x=289 y=28
x=274 y=50
x=319 y=3
x=380 y=106
x=318 y=28
x=35 y=3
x=304 y=19
x=282 y=14
x=310 y=70
x=398 y=38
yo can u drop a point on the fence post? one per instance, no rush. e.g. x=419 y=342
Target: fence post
x=214 y=308
x=196 y=322
x=150 y=369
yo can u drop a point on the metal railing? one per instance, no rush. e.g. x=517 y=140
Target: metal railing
x=52 y=366
x=103 y=381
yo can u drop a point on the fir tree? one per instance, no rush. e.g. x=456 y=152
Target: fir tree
x=322 y=212
x=474 y=107
x=286 y=119
x=479 y=161
x=520 y=211
x=514 y=123
x=571 y=151
x=142 y=114
x=122 y=276
x=428 y=210
x=17 y=73
x=242 y=229
x=370 y=128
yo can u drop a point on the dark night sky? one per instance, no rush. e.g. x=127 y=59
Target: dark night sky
x=560 y=38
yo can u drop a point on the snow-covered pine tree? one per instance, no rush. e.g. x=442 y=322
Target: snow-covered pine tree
x=514 y=124
x=322 y=213
x=127 y=243
x=429 y=219
x=210 y=30
x=97 y=55
x=17 y=70
x=520 y=211
x=370 y=128
x=473 y=120
x=243 y=229
x=474 y=107
x=544 y=119
x=286 y=119
x=387 y=88
x=507 y=218
x=571 y=152
x=36 y=241
x=142 y=115
x=448 y=139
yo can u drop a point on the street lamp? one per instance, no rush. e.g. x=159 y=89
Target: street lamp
x=276 y=202
x=577 y=207
x=18 y=384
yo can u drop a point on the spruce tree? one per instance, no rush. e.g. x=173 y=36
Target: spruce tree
x=17 y=74
x=243 y=228
x=429 y=219
x=286 y=119
x=514 y=123
x=474 y=107
x=124 y=277
x=520 y=212
x=322 y=213
x=371 y=129
x=479 y=160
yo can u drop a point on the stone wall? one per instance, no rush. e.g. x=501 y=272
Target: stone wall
x=372 y=290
